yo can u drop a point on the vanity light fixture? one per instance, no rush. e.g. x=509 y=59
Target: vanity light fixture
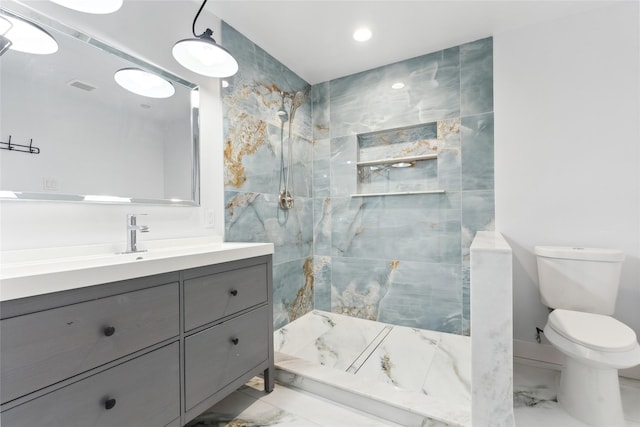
x=91 y=6
x=144 y=83
x=203 y=55
x=27 y=37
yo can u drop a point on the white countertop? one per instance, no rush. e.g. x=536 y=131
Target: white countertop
x=489 y=241
x=28 y=273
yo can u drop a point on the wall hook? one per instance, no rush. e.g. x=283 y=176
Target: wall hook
x=20 y=147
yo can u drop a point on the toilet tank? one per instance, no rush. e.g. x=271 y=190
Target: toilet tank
x=581 y=279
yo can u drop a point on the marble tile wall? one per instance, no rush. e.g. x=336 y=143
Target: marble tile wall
x=404 y=259
x=399 y=259
x=252 y=159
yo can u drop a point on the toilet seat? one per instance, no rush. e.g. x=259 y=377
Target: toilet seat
x=594 y=331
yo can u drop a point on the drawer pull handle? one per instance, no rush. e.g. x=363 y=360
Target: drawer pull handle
x=234 y=292
x=235 y=341
x=109 y=404
x=109 y=330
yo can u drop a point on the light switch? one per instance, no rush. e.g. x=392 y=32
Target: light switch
x=209 y=218
x=50 y=184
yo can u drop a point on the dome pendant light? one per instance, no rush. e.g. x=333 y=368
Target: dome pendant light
x=203 y=55
x=25 y=36
x=91 y=6
x=144 y=83
x=5 y=43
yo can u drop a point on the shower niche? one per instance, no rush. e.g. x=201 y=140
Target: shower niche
x=398 y=161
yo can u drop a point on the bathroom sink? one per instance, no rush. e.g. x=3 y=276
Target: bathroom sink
x=33 y=272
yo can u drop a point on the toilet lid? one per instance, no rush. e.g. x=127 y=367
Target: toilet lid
x=596 y=331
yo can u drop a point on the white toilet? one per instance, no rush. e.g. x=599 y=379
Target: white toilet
x=581 y=285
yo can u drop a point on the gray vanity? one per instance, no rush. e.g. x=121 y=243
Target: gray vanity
x=154 y=350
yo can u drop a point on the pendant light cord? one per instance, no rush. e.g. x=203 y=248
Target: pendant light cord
x=207 y=32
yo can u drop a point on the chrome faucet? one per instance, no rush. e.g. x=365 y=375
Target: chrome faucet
x=132 y=236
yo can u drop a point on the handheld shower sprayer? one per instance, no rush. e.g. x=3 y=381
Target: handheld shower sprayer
x=285 y=197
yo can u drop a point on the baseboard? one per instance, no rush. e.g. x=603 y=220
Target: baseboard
x=546 y=353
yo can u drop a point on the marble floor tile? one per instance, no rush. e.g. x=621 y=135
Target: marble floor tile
x=407 y=408
x=375 y=382
x=402 y=359
x=535 y=398
x=299 y=334
x=327 y=338
x=249 y=406
x=420 y=377
x=449 y=377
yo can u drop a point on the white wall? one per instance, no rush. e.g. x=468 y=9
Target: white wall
x=44 y=224
x=567 y=147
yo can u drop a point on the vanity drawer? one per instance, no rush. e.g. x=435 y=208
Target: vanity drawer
x=144 y=391
x=211 y=297
x=218 y=355
x=42 y=348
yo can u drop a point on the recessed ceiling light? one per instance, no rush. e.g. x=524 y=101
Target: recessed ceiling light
x=29 y=38
x=362 y=34
x=91 y=6
x=144 y=83
x=397 y=85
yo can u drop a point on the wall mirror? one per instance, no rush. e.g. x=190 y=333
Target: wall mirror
x=91 y=140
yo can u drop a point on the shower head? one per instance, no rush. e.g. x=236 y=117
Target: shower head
x=299 y=98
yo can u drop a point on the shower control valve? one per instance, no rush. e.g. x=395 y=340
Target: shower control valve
x=286 y=200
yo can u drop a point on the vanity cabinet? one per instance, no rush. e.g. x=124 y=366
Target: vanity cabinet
x=212 y=293
x=150 y=351
x=144 y=391
x=42 y=348
x=218 y=355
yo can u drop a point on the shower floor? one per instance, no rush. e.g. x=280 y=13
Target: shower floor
x=410 y=376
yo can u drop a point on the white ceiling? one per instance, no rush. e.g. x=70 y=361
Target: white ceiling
x=313 y=38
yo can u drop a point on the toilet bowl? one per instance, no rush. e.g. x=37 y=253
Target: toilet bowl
x=594 y=347
x=580 y=285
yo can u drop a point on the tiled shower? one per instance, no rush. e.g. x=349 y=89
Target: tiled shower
x=402 y=259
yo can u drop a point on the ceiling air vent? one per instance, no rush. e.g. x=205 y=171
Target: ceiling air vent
x=81 y=85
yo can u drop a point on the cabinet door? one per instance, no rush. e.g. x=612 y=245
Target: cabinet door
x=139 y=393
x=218 y=355
x=211 y=297
x=40 y=349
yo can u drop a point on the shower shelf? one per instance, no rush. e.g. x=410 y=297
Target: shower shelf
x=397 y=160
x=399 y=193
x=402 y=162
